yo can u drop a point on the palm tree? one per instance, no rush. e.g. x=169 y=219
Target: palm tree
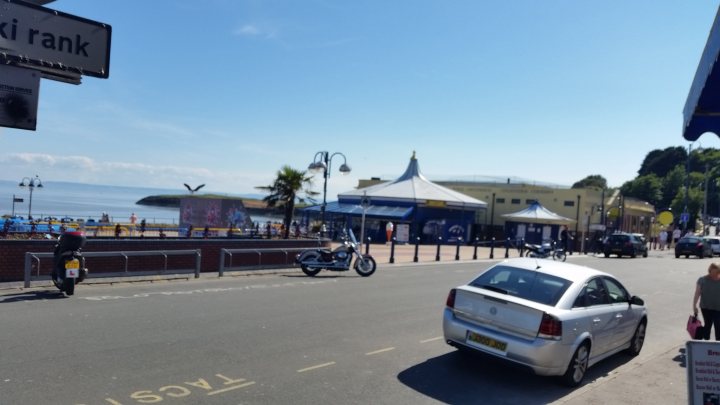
x=285 y=190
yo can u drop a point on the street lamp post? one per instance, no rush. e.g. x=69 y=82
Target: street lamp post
x=705 y=214
x=323 y=161
x=577 y=220
x=31 y=183
x=685 y=213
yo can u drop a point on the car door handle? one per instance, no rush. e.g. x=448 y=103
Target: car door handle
x=597 y=320
x=618 y=316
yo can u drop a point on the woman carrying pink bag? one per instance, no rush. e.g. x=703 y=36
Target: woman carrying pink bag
x=707 y=294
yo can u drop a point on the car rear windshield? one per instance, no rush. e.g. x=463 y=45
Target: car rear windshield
x=530 y=285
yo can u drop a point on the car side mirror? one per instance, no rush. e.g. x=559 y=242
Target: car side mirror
x=635 y=300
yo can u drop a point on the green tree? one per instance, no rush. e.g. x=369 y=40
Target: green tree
x=672 y=183
x=286 y=189
x=648 y=188
x=694 y=205
x=592 y=181
x=661 y=162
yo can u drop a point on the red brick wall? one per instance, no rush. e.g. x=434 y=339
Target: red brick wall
x=12 y=254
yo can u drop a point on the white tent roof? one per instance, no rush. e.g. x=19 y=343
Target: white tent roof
x=538 y=214
x=412 y=186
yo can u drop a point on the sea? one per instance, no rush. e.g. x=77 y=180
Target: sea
x=89 y=201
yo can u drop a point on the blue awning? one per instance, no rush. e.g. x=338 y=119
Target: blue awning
x=702 y=108
x=375 y=211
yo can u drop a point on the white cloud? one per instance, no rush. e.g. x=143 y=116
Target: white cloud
x=249 y=30
x=85 y=169
x=255 y=30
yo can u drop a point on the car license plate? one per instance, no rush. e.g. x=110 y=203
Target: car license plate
x=477 y=339
x=72 y=268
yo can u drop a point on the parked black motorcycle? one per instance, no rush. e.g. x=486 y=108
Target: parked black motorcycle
x=68 y=263
x=339 y=259
x=545 y=250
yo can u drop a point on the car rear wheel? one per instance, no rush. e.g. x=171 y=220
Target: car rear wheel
x=578 y=366
x=636 y=343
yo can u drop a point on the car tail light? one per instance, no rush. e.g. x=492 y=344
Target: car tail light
x=699 y=245
x=550 y=327
x=450 y=302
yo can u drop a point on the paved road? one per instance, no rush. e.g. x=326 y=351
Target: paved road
x=287 y=339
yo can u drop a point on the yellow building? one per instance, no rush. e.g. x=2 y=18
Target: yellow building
x=593 y=210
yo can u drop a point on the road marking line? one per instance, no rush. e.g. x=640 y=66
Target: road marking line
x=431 y=340
x=302 y=370
x=387 y=349
x=231 y=388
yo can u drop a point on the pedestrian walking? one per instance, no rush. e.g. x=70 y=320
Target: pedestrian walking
x=663 y=239
x=675 y=237
x=565 y=238
x=707 y=295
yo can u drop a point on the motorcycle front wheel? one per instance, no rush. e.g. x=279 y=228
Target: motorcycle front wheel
x=365 y=265
x=310 y=271
x=560 y=255
x=66 y=285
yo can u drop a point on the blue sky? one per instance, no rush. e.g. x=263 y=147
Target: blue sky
x=226 y=92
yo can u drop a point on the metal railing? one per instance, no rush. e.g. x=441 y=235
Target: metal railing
x=36 y=256
x=255 y=252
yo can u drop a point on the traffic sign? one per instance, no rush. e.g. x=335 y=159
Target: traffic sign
x=19 y=89
x=684 y=217
x=665 y=218
x=53 y=41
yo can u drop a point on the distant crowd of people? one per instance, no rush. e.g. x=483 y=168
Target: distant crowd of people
x=668 y=239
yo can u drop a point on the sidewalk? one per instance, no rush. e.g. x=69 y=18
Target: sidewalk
x=405 y=253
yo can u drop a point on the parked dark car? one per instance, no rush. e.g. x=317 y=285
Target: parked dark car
x=625 y=244
x=693 y=246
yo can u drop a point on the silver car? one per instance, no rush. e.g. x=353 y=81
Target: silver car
x=714 y=244
x=556 y=318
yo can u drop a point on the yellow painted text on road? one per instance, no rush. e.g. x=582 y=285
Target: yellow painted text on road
x=187 y=388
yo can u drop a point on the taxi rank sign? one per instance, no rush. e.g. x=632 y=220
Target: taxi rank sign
x=51 y=41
